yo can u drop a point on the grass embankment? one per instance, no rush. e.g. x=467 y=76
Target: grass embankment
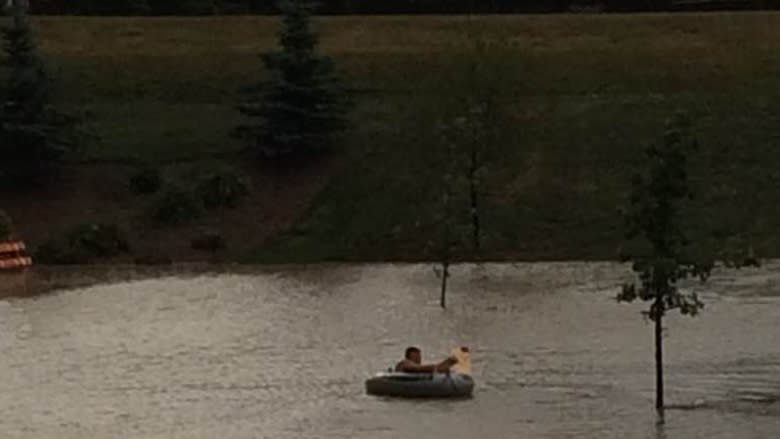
x=581 y=96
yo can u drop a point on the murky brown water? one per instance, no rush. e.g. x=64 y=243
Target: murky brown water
x=284 y=354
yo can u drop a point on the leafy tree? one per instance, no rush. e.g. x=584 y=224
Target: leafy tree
x=298 y=109
x=34 y=136
x=666 y=256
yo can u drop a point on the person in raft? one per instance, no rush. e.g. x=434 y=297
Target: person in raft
x=412 y=363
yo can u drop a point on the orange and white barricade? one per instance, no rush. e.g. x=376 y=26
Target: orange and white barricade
x=13 y=255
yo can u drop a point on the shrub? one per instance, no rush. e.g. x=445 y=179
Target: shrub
x=208 y=242
x=58 y=251
x=83 y=244
x=146 y=180
x=103 y=240
x=222 y=189
x=176 y=206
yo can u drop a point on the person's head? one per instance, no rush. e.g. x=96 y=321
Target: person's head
x=413 y=354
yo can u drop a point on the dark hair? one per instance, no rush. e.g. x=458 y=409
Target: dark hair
x=410 y=350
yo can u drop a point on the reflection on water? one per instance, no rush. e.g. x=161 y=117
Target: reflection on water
x=283 y=354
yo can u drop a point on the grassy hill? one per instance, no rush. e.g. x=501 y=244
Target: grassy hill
x=580 y=96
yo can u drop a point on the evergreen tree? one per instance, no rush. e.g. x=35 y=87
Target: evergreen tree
x=301 y=105
x=34 y=137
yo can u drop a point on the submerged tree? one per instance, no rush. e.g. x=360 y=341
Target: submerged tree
x=466 y=144
x=654 y=218
x=34 y=136
x=459 y=159
x=297 y=110
x=464 y=149
x=447 y=217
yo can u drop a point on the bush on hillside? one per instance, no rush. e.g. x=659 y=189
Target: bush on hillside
x=83 y=244
x=208 y=242
x=146 y=180
x=222 y=189
x=176 y=206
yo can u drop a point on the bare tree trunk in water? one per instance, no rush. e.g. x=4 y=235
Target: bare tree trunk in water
x=659 y=362
x=446 y=244
x=474 y=197
x=445 y=273
x=445 y=250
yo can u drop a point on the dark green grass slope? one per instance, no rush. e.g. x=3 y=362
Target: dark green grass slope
x=580 y=96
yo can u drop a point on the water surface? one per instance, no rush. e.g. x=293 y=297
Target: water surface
x=283 y=353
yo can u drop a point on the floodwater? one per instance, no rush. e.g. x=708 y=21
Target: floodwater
x=283 y=354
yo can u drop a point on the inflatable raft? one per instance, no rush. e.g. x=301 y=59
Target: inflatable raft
x=420 y=385
x=456 y=384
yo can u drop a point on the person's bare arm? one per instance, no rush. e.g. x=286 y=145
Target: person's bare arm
x=411 y=367
x=445 y=365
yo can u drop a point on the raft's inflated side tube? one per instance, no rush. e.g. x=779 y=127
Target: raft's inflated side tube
x=420 y=385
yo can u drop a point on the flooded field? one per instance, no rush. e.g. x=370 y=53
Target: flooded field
x=283 y=353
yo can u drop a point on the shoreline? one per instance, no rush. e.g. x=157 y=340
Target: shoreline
x=42 y=280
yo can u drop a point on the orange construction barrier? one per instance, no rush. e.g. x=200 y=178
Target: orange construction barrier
x=12 y=255
x=11 y=247
x=6 y=264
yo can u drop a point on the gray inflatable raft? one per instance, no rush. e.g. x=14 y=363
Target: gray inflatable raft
x=420 y=385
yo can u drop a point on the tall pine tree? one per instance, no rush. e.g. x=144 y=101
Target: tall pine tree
x=298 y=109
x=34 y=137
